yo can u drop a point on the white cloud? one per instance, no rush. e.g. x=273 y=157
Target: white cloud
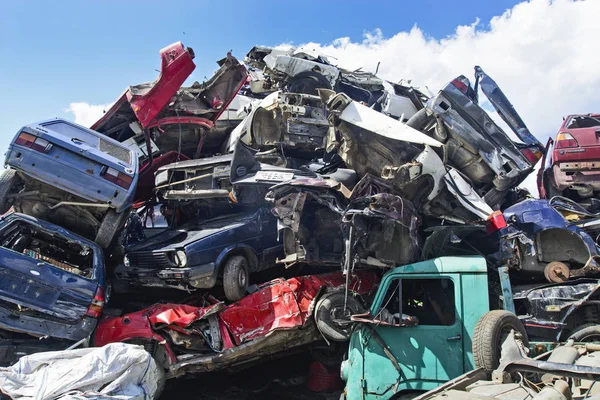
x=86 y=114
x=542 y=53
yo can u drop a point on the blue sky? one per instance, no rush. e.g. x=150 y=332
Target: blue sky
x=58 y=52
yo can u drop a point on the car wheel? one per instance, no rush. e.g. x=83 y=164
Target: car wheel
x=308 y=82
x=586 y=333
x=332 y=319
x=490 y=332
x=8 y=179
x=112 y=222
x=235 y=278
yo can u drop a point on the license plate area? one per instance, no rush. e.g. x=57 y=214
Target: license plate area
x=274 y=176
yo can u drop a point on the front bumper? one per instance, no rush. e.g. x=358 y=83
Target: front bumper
x=197 y=277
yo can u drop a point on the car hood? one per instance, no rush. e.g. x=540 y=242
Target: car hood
x=192 y=232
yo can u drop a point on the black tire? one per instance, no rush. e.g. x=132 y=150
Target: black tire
x=235 y=278
x=8 y=180
x=308 y=82
x=490 y=332
x=586 y=333
x=419 y=119
x=331 y=308
x=112 y=222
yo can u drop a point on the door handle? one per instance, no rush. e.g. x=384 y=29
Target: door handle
x=457 y=337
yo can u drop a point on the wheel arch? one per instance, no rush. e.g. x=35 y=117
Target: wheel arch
x=237 y=250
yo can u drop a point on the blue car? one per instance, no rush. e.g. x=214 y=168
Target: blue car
x=70 y=175
x=196 y=255
x=52 y=286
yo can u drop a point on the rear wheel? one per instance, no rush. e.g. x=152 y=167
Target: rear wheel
x=333 y=320
x=112 y=222
x=8 y=179
x=235 y=278
x=586 y=333
x=490 y=332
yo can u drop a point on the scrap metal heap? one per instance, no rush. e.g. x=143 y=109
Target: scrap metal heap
x=281 y=163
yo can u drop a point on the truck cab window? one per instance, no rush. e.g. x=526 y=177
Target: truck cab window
x=431 y=301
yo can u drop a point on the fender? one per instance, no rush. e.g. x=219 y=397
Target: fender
x=234 y=247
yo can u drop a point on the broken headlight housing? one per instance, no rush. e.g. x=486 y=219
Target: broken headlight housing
x=180 y=258
x=126 y=261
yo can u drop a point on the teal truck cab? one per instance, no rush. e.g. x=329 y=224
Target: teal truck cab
x=418 y=332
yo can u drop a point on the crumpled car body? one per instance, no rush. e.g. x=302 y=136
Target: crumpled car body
x=474 y=143
x=539 y=239
x=295 y=121
x=275 y=319
x=191 y=256
x=52 y=286
x=302 y=70
x=571 y=163
x=553 y=312
x=180 y=122
x=69 y=175
x=321 y=222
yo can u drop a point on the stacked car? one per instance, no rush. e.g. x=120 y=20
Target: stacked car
x=254 y=214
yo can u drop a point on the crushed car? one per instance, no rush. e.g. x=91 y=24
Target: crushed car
x=166 y=122
x=301 y=70
x=281 y=316
x=53 y=287
x=196 y=254
x=72 y=176
x=568 y=371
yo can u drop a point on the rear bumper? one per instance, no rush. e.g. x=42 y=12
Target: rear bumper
x=81 y=180
x=571 y=174
x=198 y=277
x=38 y=326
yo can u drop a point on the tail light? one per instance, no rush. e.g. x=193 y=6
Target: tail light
x=461 y=85
x=565 y=140
x=533 y=154
x=495 y=222
x=97 y=304
x=116 y=177
x=33 y=142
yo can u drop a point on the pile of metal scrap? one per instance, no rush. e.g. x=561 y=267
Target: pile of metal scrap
x=280 y=164
x=570 y=371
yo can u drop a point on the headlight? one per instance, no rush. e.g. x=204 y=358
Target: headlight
x=180 y=258
x=126 y=261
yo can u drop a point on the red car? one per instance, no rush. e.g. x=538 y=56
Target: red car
x=165 y=122
x=281 y=316
x=571 y=166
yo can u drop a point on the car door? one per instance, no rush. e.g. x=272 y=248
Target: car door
x=425 y=355
x=544 y=176
x=270 y=247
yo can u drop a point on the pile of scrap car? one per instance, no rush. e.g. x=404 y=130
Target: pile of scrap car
x=392 y=215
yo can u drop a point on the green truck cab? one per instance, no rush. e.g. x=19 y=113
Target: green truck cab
x=418 y=332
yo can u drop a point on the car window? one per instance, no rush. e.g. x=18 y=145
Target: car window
x=430 y=300
x=77 y=134
x=578 y=122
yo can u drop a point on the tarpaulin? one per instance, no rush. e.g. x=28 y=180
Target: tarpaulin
x=116 y=371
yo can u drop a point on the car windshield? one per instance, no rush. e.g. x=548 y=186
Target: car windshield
x=579 y=122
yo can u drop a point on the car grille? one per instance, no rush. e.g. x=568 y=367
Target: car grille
x=149 y=259
x=118 y=152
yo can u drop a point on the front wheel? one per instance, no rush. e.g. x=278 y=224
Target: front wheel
x=112 y=222
x=490 y=332
x=235 y=278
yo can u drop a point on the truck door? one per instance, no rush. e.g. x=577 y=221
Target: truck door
x=426 y=354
